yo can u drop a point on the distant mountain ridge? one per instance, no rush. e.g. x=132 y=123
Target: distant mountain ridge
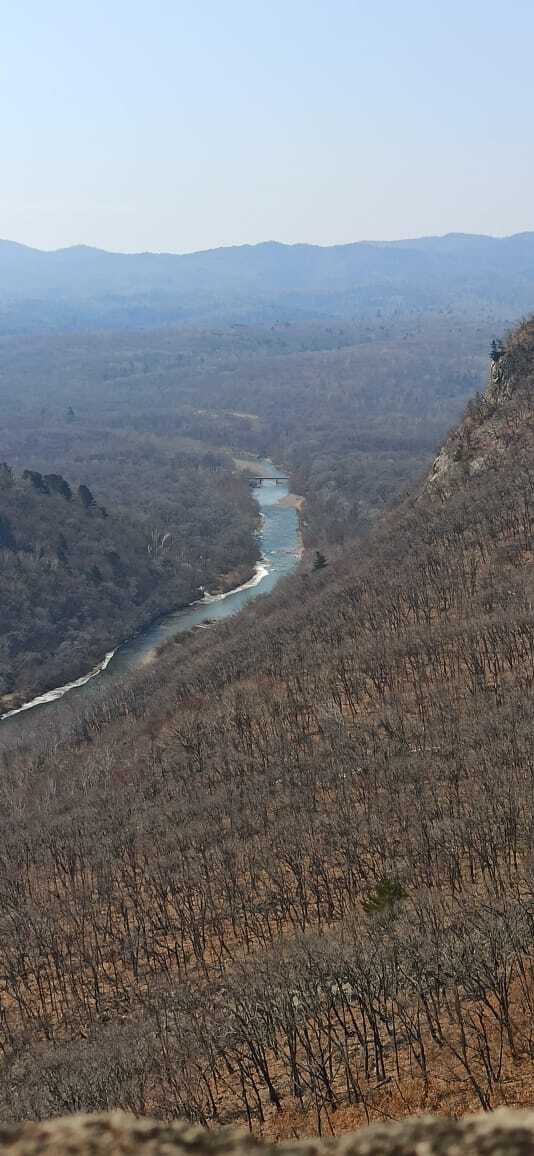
x=81 y=287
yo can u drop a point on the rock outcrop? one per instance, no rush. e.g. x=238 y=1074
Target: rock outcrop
x=495 y=420
x=500 y=1133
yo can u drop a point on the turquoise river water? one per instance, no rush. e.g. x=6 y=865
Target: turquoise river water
x=280 y=551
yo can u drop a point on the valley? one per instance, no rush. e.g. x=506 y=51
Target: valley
x=267 y=579
x=282 y=876
x=271 y=866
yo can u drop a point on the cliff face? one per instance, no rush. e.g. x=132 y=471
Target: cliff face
x=496 y=421
x=501 y=1133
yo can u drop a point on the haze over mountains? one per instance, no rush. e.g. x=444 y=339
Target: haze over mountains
x=82 y=287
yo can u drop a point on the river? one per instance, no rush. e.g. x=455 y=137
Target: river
x=280 y=552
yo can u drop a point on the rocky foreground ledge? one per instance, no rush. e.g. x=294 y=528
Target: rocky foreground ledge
x=500 y=1133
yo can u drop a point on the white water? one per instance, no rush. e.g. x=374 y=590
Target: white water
x=261 y=570
x=281 y=550
x=59 y=691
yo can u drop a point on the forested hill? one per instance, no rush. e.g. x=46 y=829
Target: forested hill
x=77 y=578
x=82 y=287
x=287 y=879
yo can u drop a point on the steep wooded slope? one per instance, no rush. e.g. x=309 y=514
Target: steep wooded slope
x=287 y=879
x=76 y=579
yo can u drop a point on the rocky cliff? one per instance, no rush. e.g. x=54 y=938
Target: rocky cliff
x=494 y=420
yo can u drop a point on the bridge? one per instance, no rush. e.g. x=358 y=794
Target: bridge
x=258 y=481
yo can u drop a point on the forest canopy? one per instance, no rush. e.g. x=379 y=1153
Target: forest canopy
x=354 y=409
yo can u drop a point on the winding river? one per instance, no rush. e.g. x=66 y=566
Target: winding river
x=280 y=552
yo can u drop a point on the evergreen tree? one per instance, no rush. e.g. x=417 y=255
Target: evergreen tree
x=319 y=562
x=387 y=893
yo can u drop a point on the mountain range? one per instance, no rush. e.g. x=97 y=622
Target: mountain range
x=81 y=287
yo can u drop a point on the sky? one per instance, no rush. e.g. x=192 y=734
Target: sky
x=172 y=125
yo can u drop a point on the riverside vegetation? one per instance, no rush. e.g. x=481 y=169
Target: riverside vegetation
x=287 y=879
x=77 y=577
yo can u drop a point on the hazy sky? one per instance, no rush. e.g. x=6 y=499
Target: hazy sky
x=164 y=124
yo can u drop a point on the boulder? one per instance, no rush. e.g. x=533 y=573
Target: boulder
x=500 y=1133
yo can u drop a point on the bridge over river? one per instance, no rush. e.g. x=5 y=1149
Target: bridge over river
x=280 y=479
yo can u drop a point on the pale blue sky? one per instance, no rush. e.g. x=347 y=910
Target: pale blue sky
x=179 y=126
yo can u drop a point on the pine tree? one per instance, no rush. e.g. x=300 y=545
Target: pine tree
x=319 y=562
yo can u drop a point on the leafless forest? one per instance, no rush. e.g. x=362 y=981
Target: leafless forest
x=286 y=879
x=77 y=577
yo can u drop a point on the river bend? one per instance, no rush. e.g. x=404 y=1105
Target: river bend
x=280 y=551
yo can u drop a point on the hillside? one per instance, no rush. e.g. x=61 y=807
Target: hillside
x=80 y=287
x=76 y=578
x=286 y=879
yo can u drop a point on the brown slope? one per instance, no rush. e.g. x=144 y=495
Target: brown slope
x=290 y=880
